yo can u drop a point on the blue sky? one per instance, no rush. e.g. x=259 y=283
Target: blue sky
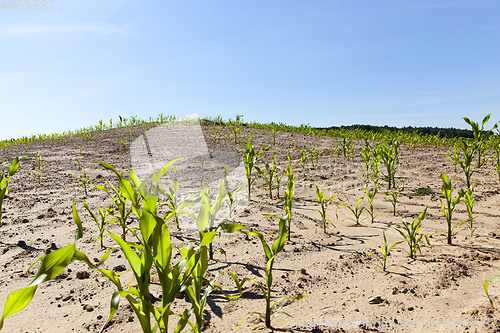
x=400 y=63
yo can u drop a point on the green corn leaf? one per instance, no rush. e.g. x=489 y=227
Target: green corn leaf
x=17 y=301
x=13 y=167
x=132 y=257
x=78 y=222
x=280 y=241
x=164 y=250
x=115 y=302
x=486 y=283
x=53 y=264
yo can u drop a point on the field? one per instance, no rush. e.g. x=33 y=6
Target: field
x=337 y=264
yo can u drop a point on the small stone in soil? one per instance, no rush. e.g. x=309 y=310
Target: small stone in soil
x=82 y=275
x=376 y=300
x=119 y=268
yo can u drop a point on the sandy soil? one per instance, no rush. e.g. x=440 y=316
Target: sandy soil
x=334 y=270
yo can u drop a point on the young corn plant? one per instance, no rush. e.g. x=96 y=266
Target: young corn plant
x=366 y=153
x=376 y=161
x=486 y=284
x=288 y=198
x=393 y=199
x=469 y=151
x=277 y=184
x=39 y=165
x=304 y=155
x=197 y=296
x=390 y=157
x=480 y=137
x=273 y=134
x=469 y=203
x=324 y=203
x=80 y=162
x=347 y=145
x=250 y=158
x=84 y=182
x=315 y=154
x=120 y=198
x=175 y=205
x=449 y=207
x=213 y=209
x=123 y=143
x=356 y=211
x=371 y=193
x=5 y=180
x=386 y=251
x=266 y=289
x=101 y=223
x=410 y=233
x=231 y=200
x=268 y=178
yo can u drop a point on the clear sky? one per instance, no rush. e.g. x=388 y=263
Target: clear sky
x=400 y=63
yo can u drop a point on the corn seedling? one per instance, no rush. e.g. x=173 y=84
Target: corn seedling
x=39 y=165
x=268 y=178
x=365 y=153
x=371 y=193
x=80 y=162
x=451 y=204
x=84 y=182
x=213 y=209
x=4 y=181
x=273 y=134
x=410 y=233
x=480 y=137
x=236 y=131
x=315 y=154
x=393 y=199
x=101 y=223
x=469 y=152
x=277 y=185
x=231 y=196
x=120 y=198
x=469 y=203
x=324 y=205
x=81 y=148
x=356 y=211
x=250 y=158
x=123 y=143
x=386 y=251
x=288 y=197
x=304 y=155
x=270 y=253
x=347 y=145
x=289 y=157
x=194 y=289
x=390 y=157
x=375 y=164
x=486 y=283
